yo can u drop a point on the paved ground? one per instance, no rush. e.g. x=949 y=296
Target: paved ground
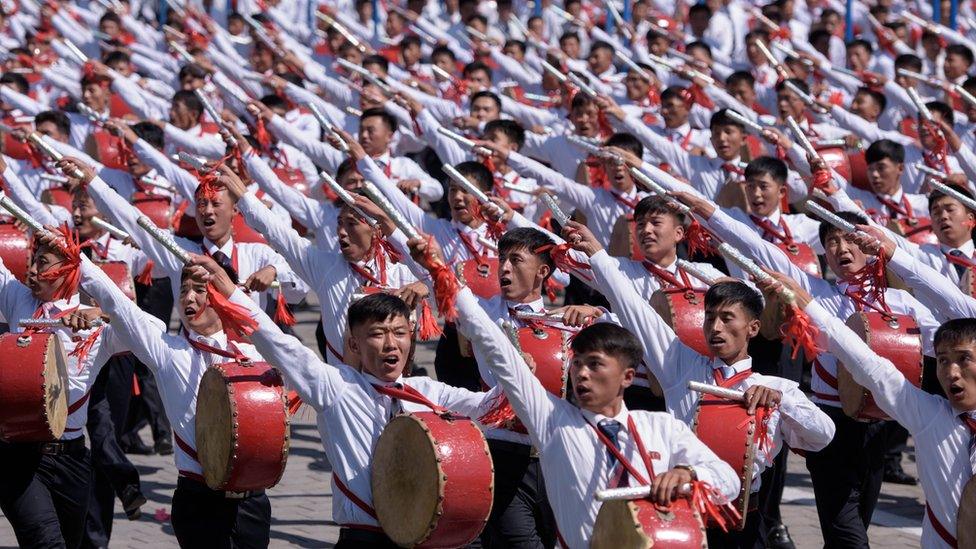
x=301 y=503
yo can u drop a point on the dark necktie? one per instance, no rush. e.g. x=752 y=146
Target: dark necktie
x=971 y=423
x=225 y=264
x=611 y=428
x=960 y=269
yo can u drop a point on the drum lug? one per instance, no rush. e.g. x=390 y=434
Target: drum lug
x=539 y=334
x=24 y=340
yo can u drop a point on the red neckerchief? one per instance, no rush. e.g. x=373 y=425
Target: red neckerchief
x=809 y=131
x=409 y=394
x=904 y=210
x=102 y=251
x=786 y=237
x=733 y=172
x=481 y=257
x=960 y=260
x=369 y=277
x=234 y=353
x=623 y=461
x=732 y=381
x=685 y=143
x=861 y=303
x=623 y=200
x=665 y=276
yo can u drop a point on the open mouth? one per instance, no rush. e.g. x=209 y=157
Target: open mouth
x=648 y=241
x=845 y=261
x=956 y=390
x=945 y=227
x=504 y=281
x=391 y=360
x=582 y=391
x=344 y=244
x=190 y=312
x=716 y=341
x=209 y=222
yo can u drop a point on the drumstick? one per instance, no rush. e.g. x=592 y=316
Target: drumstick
x=146 y=180
x=556 y=73
x=24 y=217
x=52 y=323
x=634 y=492
x=212 y=112
x=832 y=218
x=969 y=203
x=49 y=151
x=195 y=162
x=829 y=143
x=163 y=238
x=478 y=34
x=557 y=213
x=694 y=271
x=109 y=228
x=750 y=267
x=617 y=18
x=462 y=140
x=394 y=214
x=370 y=77
x=583 y=86
x=930 y=80
x=329 y=127
x=181 y=51
x=589 y=147
x=657 y=189
x=346 y=197
x=764 y=50
x=931 y=171
x=920 y=106
x=443 y=74
x=487 y=243
x=792 y=53
x=538 y=317
x=237 y=93
x=346 y=33
x=738 y=117
x=468 y=187
x=80 y=55
x=519 y=188
x=801 y=136
x=807 y=99
x=54 y=177
x=91 y=114
x=714 y=390
x=966 y=96
x=263 y=35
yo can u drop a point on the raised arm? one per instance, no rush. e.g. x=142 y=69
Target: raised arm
x=580 y=196
x=311 y=213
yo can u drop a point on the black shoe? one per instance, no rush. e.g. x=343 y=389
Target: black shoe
x=164 y=447
x=899 y=476
x=132 y=500
x=138 y=447
x=779 y=538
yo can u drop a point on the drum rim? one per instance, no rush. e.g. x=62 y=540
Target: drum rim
x=747 y=475
x=53 y=349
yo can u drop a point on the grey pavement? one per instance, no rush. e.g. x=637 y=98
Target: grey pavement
x=302 y=503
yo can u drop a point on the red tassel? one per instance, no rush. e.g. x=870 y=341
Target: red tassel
x=429 y=328
x=500 y=414
x=596 y=174
x=177 y=219
x=822 y=179
x=606 y=130
x=698 y=239
x=446 y=288
x=702 y=498
x=69 y=247
x=145 y=277
x=478 y=211
x=764 y=441
x=800 y=333
x=84 y=347
x=551 y=287
x=873 y=276
x=282 y=312
x=261 y=135
x=234 y=318
x=563 y=260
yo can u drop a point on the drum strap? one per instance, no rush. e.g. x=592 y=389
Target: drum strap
x=770 y=230
x=632 y=431
x=480 y=256
x=79 y=403
x=354 y=498
x=904 y=210
x=667 y=277
x=410 y=394
x=940 y=529
x=825 y=375
x=961 y=261
x=233 y=353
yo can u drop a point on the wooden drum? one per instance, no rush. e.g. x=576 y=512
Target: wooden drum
x=15 y=250
x=481 y=277
x=726 y=428
x=33 y=388
x=895 y=337
x=432 y=480
x=684 y=311
x=242 y=426
x=917 y=230
x=640 y=524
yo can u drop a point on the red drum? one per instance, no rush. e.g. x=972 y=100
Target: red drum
x=850 y=165
x=242 y=426
x=482 y=277
x=57 y=196
x=118 y=108
x=730 y=432
x=640 y=524
x=15 y=250
x=859 y=170
x=549 y=349
x=802 y=256
x=105 y=148
x=684 y=311
x=432 y=480
x=244 y=233
x=15 y=149
x=294 y=178
x=119 y=272
x=966 y=516
x=156 y=207
x=917 y=230
x=895 y=337
x=33 y=387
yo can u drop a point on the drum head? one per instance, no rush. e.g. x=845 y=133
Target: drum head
x=621 y=238
x=966 y=517
x=215 y=429
x=56 y=387
x=407 y=481
x=617 y=527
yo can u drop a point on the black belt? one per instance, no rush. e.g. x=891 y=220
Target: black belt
x=507 y=446
x=62 y=447
x=198 y=487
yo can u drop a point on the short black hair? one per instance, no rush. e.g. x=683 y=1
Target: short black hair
x=626 y=142
x=937 y=194
x=699 y=8
x=476 y=66
x=520 y=44
x=116 y=56
x=581 y=100
x=18 y=81
x=885 y=148
x=909 y=61
x=509 y=128
x=442 y=50
x=730 y=292
x=654 y=205
x=945 y=111
x=818 y=34
x=673 y=92
x=969 y=85
x=826 y=229
x=345 y=167
x=111 y=17
x=860 y=43
x=876 y=95
x=410 y=40
x=601 y=45
x=738 y=77
x=489 y=95
x=699 y=45
x=477 y=171
x=611 y=339
x=192 y=70
x=274 y=101
x=955 y=331
x=767 y=165
x=721 y=119
x=961 y=50
x=569 y=35
x=189 y=99
x=388 y=119
x=376 y=307
x=58 y=118
x=383 y=62
x=150 y=133
x=800 y=84
x=527 y=238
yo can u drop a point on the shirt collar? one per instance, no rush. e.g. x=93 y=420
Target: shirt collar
x=682 y=130
x=774 y=217
x=594 y=418
x=216 y=339
x=227 y=248
x=536 y=305
x=373 y=380
x=470 y=231
x=55 y=307
x=896 y=197
x=383 y=159
x=738 y=367
x=967 y=249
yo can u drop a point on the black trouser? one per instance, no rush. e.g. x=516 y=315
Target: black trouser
x=451 y=366
x=896 y=444
x=752 y=536
x=771 y=489
x=520 y=514
x=846 y=477
x=637 y=397
x=207 y=519
x=354 y=538
x=113 y=472
x=45 y=496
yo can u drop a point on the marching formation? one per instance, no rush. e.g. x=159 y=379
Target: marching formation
x=660 y=246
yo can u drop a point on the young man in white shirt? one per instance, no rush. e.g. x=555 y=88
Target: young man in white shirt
x=567 y=435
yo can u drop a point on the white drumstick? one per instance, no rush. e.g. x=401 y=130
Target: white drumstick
x=163 y=238
x=764 y=50
x=54 y=177
x=90 y=114
x=212 y=112
x=75 y=50
x=969 y=203
x=394 y=214
x=182 y=52
x=109 y=228
x=738 y=117
x=634 y=492
x=151 y=181
x=24 y=217
x=930 y=80
x=792 y=53
x=696 y=272
x=587 y=146
x=966 y=96
x=329 y=127
x=830 y=217
x=750 y=267
x=462 y=140
x=554 y=72
x=52 y=323
x=800 y=136
x=49 y=151
x=538 y=317
x=517 y=187
x=557 y=213
x=346 y=197
x=714 y=390
x=583 y=86
x=195 y=162
x=931 y=171
x=468 y=187
x=657 y=189
x=804 y=96
x=920 y=106
x=487 y=243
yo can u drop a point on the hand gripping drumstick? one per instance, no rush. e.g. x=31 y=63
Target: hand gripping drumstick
x=797 y=132
x=469 y=187
x=557 y=213
x=24 y=217
x=920 y=106
x=634 y=492
x=832 y=218
x=632 y=66
x=370 y=77
x=583 y=86
x=938 y=174
x=163 y=238
x=751 y=268
x=462 y=140
x=51 y=323
x=645 y=180
x=518 y=187
x=195 y=162
x=38 y=141
x=329 y=127
x=930 y=80
x=751 y=124
x=721 y=392
x=344 y=195
x=694 y=271
x=804 y=96
x=394 y=214
x=109 y=228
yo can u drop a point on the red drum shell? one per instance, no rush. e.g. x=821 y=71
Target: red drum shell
x=118 y=271
x=966 y=516
x=243 y=232
x=157 y=208
x=899 y=340
x=730 y=432
x=107 y=150
x=803 y=257
x=859 y=170
x=57 y=196
x=684 y=312
x=549 y=348
x=640 y=524
x=294 y=178
x=33 y=388
x=15 y=250
x=242 y=426
x=919 y=232
x=432 y=480
x=482 y=278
